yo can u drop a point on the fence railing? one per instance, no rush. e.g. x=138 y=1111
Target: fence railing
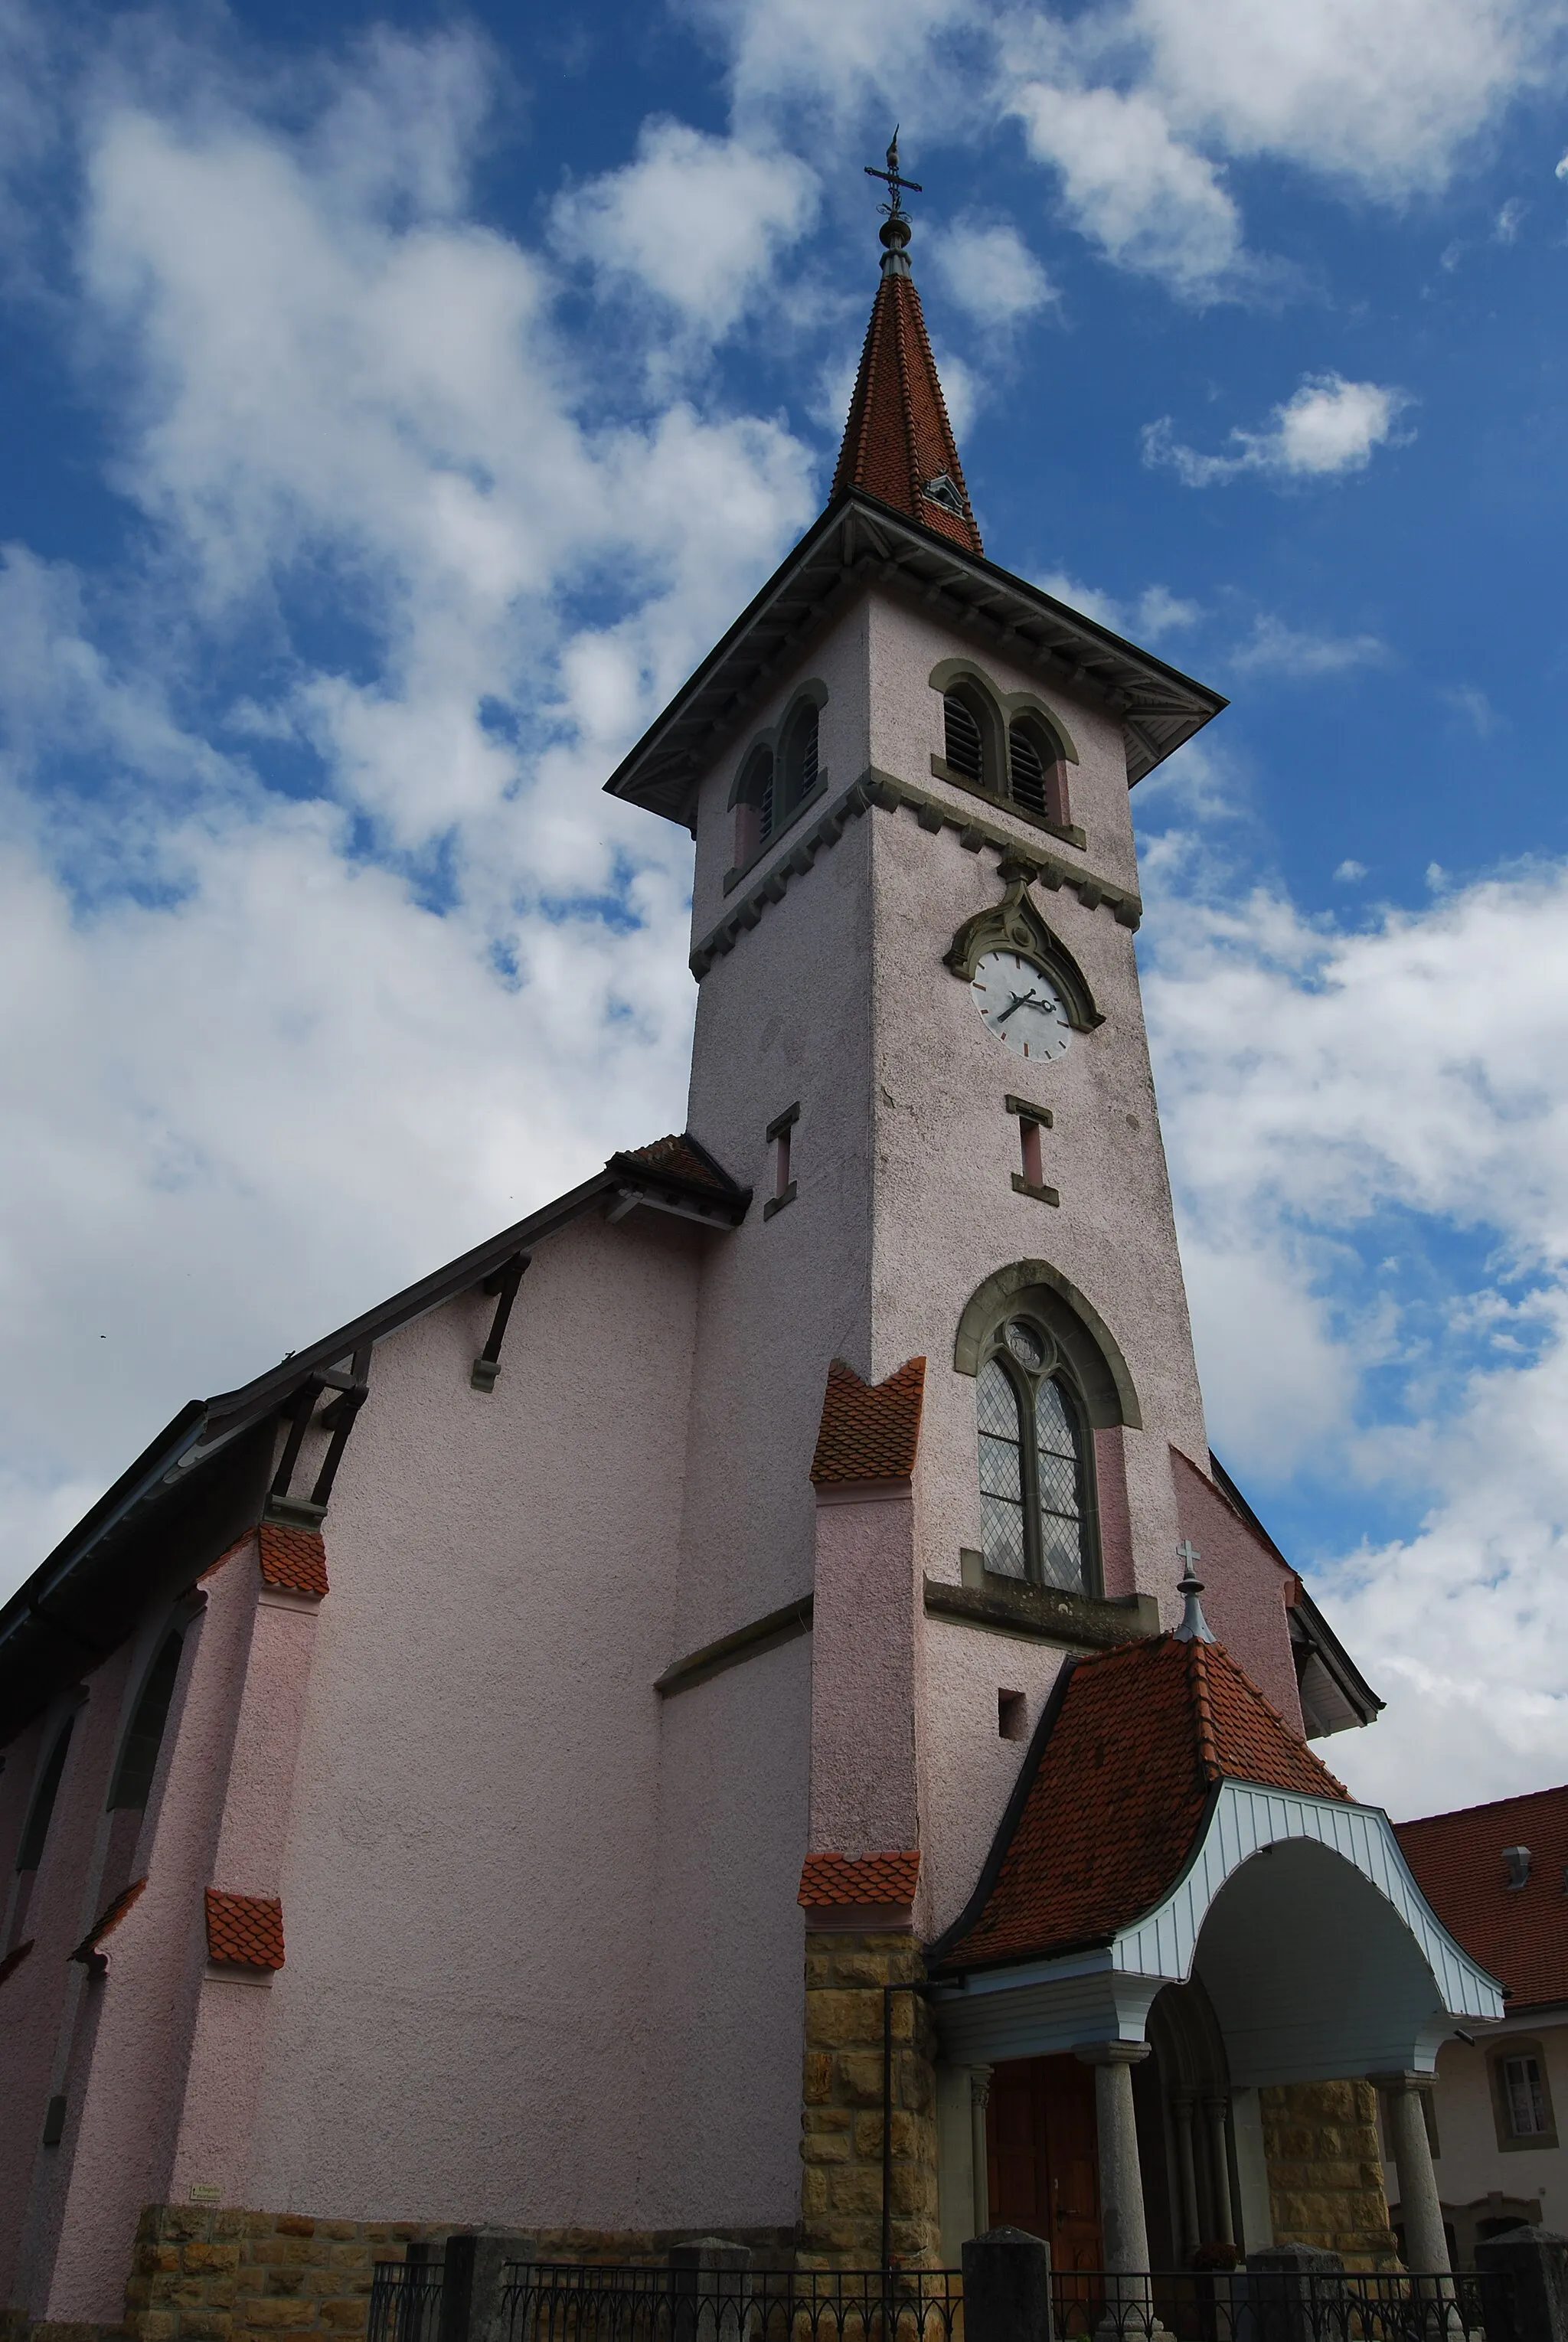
x=543 y=2302
x=575 y=2302
x=404 y=2301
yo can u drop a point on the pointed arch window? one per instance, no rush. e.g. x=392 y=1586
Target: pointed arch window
x=132 y=1782
x=41 y=1812
x=1036 y=1493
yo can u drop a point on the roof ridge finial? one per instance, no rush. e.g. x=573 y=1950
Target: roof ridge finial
x=1195 y=1628
x=895 y=228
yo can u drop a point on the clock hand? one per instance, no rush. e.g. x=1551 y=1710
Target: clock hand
x=1023 y=1000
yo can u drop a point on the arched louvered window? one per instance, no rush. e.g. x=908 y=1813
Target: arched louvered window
x=1027 y=769
x=132 y=1782
x=799 y=761
x=41 y=1812
x=1035 y=1489
x=964 y=749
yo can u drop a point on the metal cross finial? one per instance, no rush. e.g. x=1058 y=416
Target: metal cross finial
x=894 y=209
x=1195 y=1628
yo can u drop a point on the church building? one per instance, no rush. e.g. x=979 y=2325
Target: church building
x=744 y=1704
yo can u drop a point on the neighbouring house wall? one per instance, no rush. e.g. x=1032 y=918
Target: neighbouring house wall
x=1472 y=2165
x=1325 y=2169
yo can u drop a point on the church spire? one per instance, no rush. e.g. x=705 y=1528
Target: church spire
x=898 y=443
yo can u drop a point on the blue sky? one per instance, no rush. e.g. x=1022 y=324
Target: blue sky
x=398 y=401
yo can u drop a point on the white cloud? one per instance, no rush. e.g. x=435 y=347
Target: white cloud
x=1156 y=612
x=1274 y=648
x=1320 y=1089
x=1474 y=706
x=1327 y=429
x=695 y=219
x=1350 y=873
x=989 y=271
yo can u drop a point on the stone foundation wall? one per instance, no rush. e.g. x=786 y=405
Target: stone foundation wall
x=1325 y=2169
x=840 y=2115
x=206 y=2273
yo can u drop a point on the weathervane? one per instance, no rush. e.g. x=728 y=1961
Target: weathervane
x=894 y=209
x=895 y=229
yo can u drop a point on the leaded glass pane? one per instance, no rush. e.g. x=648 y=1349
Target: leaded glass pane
x=1025 y=1343
x=1000 y=1471
x=1059 y=1481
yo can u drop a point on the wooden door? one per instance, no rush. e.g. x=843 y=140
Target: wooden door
x=1043 y=2156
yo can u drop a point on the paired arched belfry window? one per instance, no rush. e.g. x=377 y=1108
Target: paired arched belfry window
x=1019 y=760
x=1035 y=1488
x=775 y=781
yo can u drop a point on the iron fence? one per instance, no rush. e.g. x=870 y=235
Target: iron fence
x=1269 y=2306
x=405 y=2301
x=556 y=2301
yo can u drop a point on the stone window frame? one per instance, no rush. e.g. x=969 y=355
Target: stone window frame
x=996 y=712
x=761 y=770
x=1509 y=2141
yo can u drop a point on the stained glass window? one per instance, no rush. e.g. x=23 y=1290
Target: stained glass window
x=1035 y=1502
x=1059 y=1478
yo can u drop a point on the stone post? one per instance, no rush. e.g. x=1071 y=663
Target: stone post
x=1525 y=2286
x=471 y=2279
x=1425 y=2246
x=1285 y=2289
x=1007 y=2287
x=711 y=2281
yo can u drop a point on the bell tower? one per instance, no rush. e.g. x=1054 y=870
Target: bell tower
x=945 y=1415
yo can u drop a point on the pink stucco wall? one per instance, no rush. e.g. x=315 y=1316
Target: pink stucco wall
x=1246 y=1588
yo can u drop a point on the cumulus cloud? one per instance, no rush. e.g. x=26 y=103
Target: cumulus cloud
x=989 y=272
x=1155 y=612
x=1327 y=429
x=694 y=219
x=1372 y=1171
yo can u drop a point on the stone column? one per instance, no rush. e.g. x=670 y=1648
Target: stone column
x=1121 y=2174
x=979 y=2099
x=1216 y=2108
x=1425 y=2246
x=1182 y=2105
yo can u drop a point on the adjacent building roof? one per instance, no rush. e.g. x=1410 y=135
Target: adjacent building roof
x=869 y=1431
x=898 y=443
x=1520 y=1933
x=1113 y=1796
x=204 y=1481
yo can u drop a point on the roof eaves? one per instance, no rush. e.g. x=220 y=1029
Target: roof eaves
x=1326 y=1646
x=859 y=540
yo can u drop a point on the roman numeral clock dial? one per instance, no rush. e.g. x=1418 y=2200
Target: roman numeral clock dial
x=1021 y=1005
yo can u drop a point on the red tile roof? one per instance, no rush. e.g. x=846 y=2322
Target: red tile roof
x=681 y=1156
x=245 y=1928
x=293 y=1560
x=869 y=1431
x=1123 y=1765
x=898 y=439
x=87 y=1951
x=827 y=1879
x=1520 y=1933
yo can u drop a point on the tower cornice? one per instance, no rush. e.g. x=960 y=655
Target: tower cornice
x=857 y=544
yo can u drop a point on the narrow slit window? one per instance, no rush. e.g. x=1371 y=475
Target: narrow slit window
x=1034 y=1159
x=133 y=1784
x=781 y=1160
x=966 y=747
x=1012 y=1715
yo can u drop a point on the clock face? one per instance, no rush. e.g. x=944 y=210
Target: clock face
x=1021 y=1005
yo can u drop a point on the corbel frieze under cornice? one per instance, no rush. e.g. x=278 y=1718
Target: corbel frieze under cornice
x=881 y=790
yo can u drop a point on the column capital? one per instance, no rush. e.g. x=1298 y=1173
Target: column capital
x=1397 y=2083
x=1112 y=2053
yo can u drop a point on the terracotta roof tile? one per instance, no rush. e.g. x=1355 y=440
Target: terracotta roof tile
x=869 y=1431
x=292 y=1560
x=898 y=439
x=1520 y=1934
x=87 y=1951
x=682 y=1157
x=827 y=1879
x=244 y=1928
x=1123 y=1770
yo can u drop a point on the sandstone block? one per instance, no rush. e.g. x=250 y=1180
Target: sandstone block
x=825 y=2146
x=812 y=2192
x=271 y=2314
x=816 y=2085
x=228 y=2220
x=224 y=2255
x=341 y=2229
x=346 y=2317
x=852 y=2188
x=152 y=2326
x=206 y=2326
x=858 y=2079
x=834 y=2018
x=295 y=2224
